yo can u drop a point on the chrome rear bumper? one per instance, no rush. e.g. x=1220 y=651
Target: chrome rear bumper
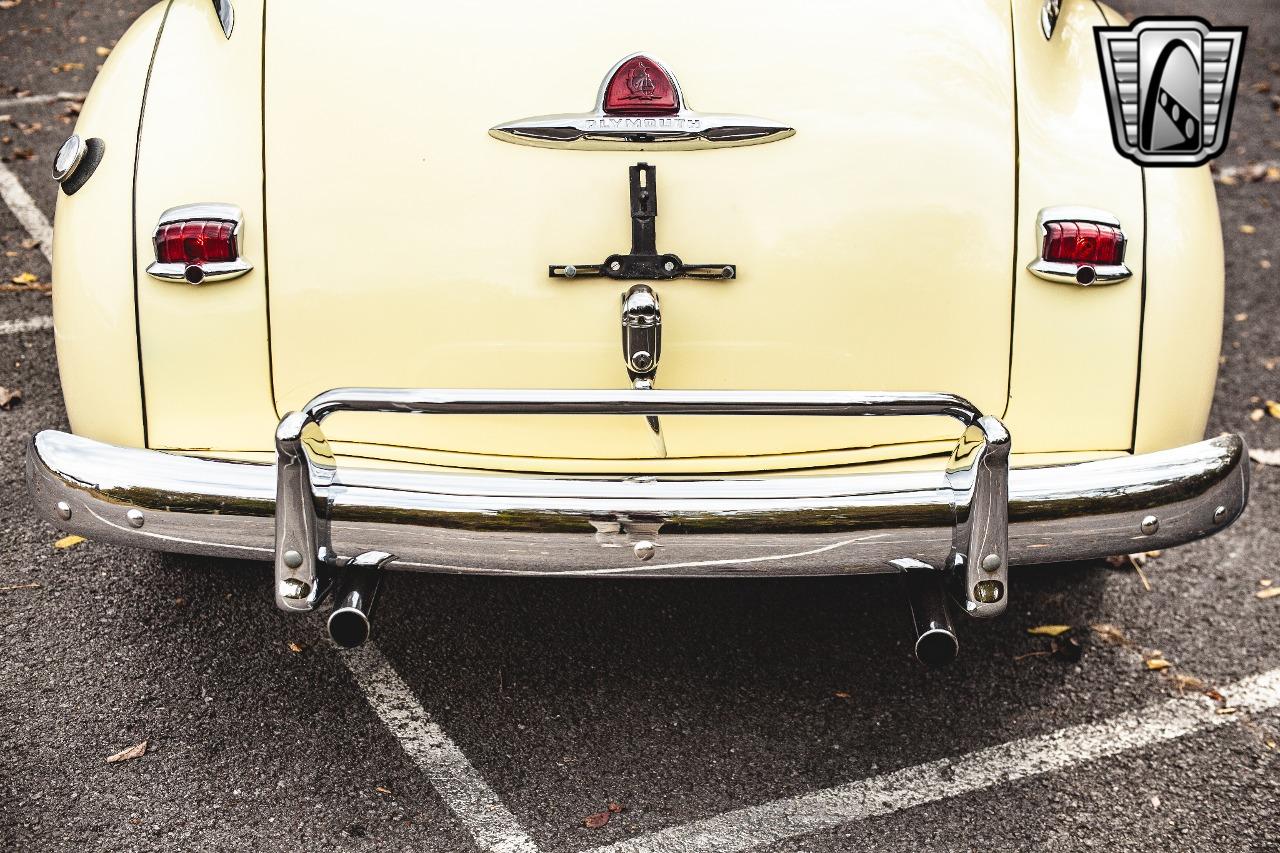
x=971 y=521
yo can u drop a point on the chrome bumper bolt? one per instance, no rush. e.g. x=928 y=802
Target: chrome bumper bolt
x=1219 y=515
x=135 y=516
x=1150 y=525
x=292 y=559
x=64 y=510
x=645 y=550
x=992 y=562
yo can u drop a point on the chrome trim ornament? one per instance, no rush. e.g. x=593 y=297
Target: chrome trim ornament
x=209 y=272
x=1081 y=274
x=604 y=131
x=1049 y=12
x=1170 y=85
x=226 y=15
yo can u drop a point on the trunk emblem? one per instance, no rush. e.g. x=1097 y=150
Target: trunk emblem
x=640 y=106
x=639 y=87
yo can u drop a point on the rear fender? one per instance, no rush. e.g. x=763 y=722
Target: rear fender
x=93 y=263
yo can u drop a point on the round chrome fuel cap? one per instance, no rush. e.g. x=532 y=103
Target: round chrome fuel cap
x=68 y=158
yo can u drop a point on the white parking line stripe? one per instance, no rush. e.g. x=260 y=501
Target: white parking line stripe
x=17 y=327
x=755 y=826
x=23 y=207
x=491 y=825
x=42 y=99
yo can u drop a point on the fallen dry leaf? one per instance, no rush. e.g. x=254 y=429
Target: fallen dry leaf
x=295 y=647
x=1269 y=592
x=1068 y=649
x=1227 y=710
x=136 y=751
x=1248 y=229
x=1188 y=682
x=9 y=4
x=1157 y=664
x=841 y=694
x=382 y=790
x=1264 y=457
x=1135 y=562
x=1241 y=317
x=595 y=821
x=1273 y=408
x=1049 y=630
x=1265 y=582
x=25 y=278
x=1256 y=415
x=1110 y=633
x=9 y=396
x=37 y=287
x=11 y=587
x=68 y=541
x=615 y=808
x=102 y=51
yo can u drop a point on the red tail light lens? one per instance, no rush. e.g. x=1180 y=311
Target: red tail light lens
x=641 y=87
x=196 y=242
x=199 y=243
x=1083 y=243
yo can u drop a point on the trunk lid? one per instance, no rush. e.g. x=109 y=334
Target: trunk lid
x=408 y=248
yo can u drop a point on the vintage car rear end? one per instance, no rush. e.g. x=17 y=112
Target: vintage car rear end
x=774 y=301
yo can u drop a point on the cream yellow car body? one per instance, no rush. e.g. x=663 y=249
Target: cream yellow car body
x=389 y=374
x=395 y=243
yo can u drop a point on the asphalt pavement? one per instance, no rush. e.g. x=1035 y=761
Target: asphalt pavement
x=678 y=701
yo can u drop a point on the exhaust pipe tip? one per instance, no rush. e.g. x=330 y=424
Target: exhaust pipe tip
x=936 y=642
x=349 y=623
x=937 y=647
x=348 y=627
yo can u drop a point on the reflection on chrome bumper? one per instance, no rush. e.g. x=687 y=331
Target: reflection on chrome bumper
x=639 y=526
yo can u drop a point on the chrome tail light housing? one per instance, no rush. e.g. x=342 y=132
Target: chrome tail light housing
x=199 y=243
x=1080 y=245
